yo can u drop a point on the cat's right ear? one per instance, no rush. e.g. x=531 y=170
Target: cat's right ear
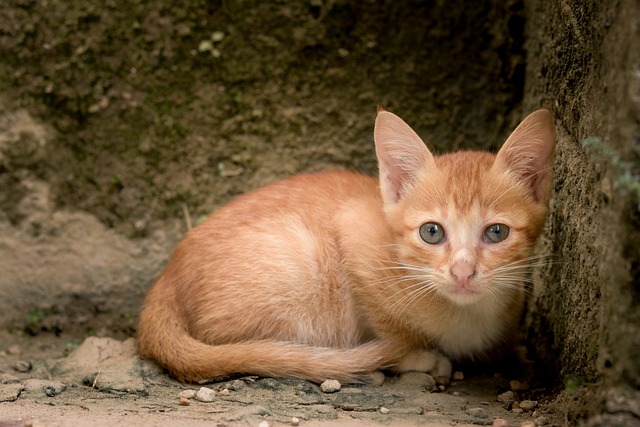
x=528 y=153
x=402 y=156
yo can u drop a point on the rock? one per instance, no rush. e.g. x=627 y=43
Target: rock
x=330 y=386
x=384 y=410
x=96 y=352
x=120 y=378
x=507 y=398
x=443 y=381
x=42 y=388
x=22 y=366
x=517 y=411
x=518 y=386
x=478 y=413
x=500 y=422
x=528 y=405
x=183 y=401
x=527 y=423
x=187 y=394
x=205 y=394
x=235 y=385
x=458 y=376
x=419 y=380
x=295 y=421
x=264 y=424
x=224 y=392
x=541 y=421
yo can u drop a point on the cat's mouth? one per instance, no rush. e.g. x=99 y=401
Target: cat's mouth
x=464 y=294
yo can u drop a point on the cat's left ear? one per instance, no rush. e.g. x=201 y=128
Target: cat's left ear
x=528 y=153
x=402 y=156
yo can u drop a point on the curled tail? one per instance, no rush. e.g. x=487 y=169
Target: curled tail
x=163 y=337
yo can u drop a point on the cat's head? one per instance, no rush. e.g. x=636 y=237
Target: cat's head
x=466 y=223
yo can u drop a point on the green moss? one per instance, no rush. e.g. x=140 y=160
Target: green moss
x=34 y=317
x=625 y=180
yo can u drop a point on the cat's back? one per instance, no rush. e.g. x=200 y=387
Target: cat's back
x=277 y=247
x=309 y=197
x=289 y=220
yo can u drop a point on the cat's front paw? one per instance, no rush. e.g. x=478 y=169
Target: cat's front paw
x=431 y=361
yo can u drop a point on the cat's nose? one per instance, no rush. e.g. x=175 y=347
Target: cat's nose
x=462 y=271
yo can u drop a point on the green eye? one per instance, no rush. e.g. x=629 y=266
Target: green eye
x=431 y=233
x=496 y=233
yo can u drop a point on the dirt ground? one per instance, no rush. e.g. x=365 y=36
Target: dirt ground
x=103 y=382
x=122 y=122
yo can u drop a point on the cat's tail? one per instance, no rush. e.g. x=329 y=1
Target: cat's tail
x=163 y=336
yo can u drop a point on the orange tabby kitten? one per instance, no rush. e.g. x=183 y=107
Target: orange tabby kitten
x=335 y=275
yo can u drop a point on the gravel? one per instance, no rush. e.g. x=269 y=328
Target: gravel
x=205 y=394
x=330 y=386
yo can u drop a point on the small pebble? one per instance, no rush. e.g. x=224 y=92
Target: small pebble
x=22 y=366
x=458 y=376
x=478 y=413
x=528 y=405
x=508 y=397
x=517 y=411
x=527 y=423
x=518 y=386
x=50 y=391
x=264 y=424
x=500 y=422
x=445 y=381
x=541 y=421
x=441 y=388
x=183 y=401
x=187 y=394
x=384 y=410
x=236 y=385
x=295 y=421
x=224 y=392
x=419 y=380
x=217 y=36
x=205 y=394
x=330 y=386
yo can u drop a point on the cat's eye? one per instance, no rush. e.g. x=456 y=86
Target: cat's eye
x=431 y=233
x=496 y=233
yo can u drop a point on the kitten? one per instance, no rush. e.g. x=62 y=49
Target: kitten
x=335 y=274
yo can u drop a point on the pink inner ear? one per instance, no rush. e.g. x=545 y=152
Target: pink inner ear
x=402 y=156
x=528 y=153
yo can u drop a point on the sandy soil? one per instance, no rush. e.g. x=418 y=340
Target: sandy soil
x=102 y=382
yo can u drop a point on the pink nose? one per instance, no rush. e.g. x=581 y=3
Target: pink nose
x=462 y=271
